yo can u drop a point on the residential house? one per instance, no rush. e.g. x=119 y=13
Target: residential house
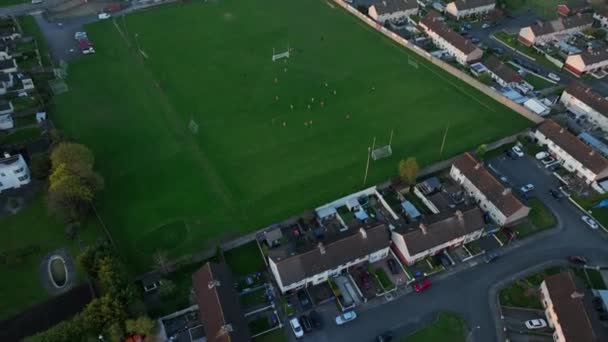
x=543 y=32
x=582 y=100
x=313 y=264
x=493 y=197
x=574 y=155
x=392 y=10
x=436 y=233
x=569 y=310
x=466 y=8
x=586 y=62
x=8 y=65
x=572 y=8
x=13 y=172
x=218 y=303
x=501 y=73
x=537 y=107
x=462 y=49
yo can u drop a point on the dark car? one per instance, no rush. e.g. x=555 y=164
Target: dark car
x=386 y=337
x=557 y=194
x=490 y=257
x=315 y=319
x=304 y=300
x=392 y=265
x=306 y=324
x=474 y=40
x=511 y=154
x=577 y=259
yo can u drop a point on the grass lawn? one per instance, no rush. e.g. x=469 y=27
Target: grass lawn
x=20 y=136
x=384 y=279
x=448 y=327
x=592 y=278
x=600 y=214
x=31 y=28
x=540 y=215
x=537 y=82
x=253 y=299
x=524 y=292
x=245 y=260
x=544 y=8
x=254 y=160
x=32 y=228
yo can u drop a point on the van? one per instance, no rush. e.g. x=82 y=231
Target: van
x=36 y=2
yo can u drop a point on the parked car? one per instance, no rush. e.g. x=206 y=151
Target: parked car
x=485 y=26
x=422 y=285
x=527 y=188
x=315 y=319
x=306 y=324
x=296 y=327
x=304 y=300
x=474 y=40
x=490 y=257
x=392 y=265
x=346 y=317
x=589 y=221
x=556 y=193
x=80 y=35
x=509 y=152
x=36 y=2
x=538 y=323
x=553 y=77
x=88 y=51
x=385 y=337
x=577 y=259
x=103 y=15
x=541 y=155
x=518 y=151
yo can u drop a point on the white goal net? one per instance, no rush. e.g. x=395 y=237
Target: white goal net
x=193 y=126
x=382 y=152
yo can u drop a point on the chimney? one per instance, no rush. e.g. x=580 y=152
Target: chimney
x=592 y=152
x=6 y=155
x=423 y=228
x=477 y=166
x=225 y=330
x=459 y=215
x=213 y=283
x=561 y=130
x=577 y=294
x=363 y=233
x=321 y=248
x=506 y=191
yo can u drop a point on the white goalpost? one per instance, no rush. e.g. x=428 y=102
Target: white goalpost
x=193 y=126
x=412 y=62
x=383 y=151
x=277 y=56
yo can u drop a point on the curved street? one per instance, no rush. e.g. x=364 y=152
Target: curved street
x=471 y=292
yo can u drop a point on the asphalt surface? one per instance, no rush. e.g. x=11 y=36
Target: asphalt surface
x=471 y=293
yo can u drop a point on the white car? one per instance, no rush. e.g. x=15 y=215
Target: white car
x=103 y=15
x=589 y=221
x=88 y=51
x=296 y=327
x=485 y=26
x=541 y=155
x=527 y=188
x=518 y=151
x=80 y=35
x=538 y=323
x=553 y=77
x=36 y=2
x=346 y=317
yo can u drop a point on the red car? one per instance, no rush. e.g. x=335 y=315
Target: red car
x=422 y=285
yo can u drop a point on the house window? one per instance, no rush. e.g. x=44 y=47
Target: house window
x=19 y=170
x=22 y=178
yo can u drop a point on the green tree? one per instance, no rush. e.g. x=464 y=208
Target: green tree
x=115 y=333
x=408 y=170
x=481 y=151
x=142 y=325
x=103 y=312
x=72 y=183
x=167 y=288
x=485 y=78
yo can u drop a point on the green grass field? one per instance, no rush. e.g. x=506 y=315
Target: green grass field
x=448 y=327
x=32 y=228
x=254 y=160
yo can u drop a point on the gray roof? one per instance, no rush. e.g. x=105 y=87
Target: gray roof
x=561 y=24
x=356 y=244
x=392 y=6
x=437 y=229
x=462 y=5
x=9 y=160
x=7 y=64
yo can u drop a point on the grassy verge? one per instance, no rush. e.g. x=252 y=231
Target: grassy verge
x=592 y=278
x=600 y=214
x=384 y=279
x=447 y=328
x=540 y=218
x=537 y=82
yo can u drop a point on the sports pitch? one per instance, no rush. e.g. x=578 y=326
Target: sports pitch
x=254 y=160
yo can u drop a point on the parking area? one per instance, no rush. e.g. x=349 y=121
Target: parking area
x=514 y=321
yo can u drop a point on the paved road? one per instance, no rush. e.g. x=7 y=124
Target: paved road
x=471 y=292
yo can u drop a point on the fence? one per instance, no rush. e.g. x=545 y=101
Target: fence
x=443 y=65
